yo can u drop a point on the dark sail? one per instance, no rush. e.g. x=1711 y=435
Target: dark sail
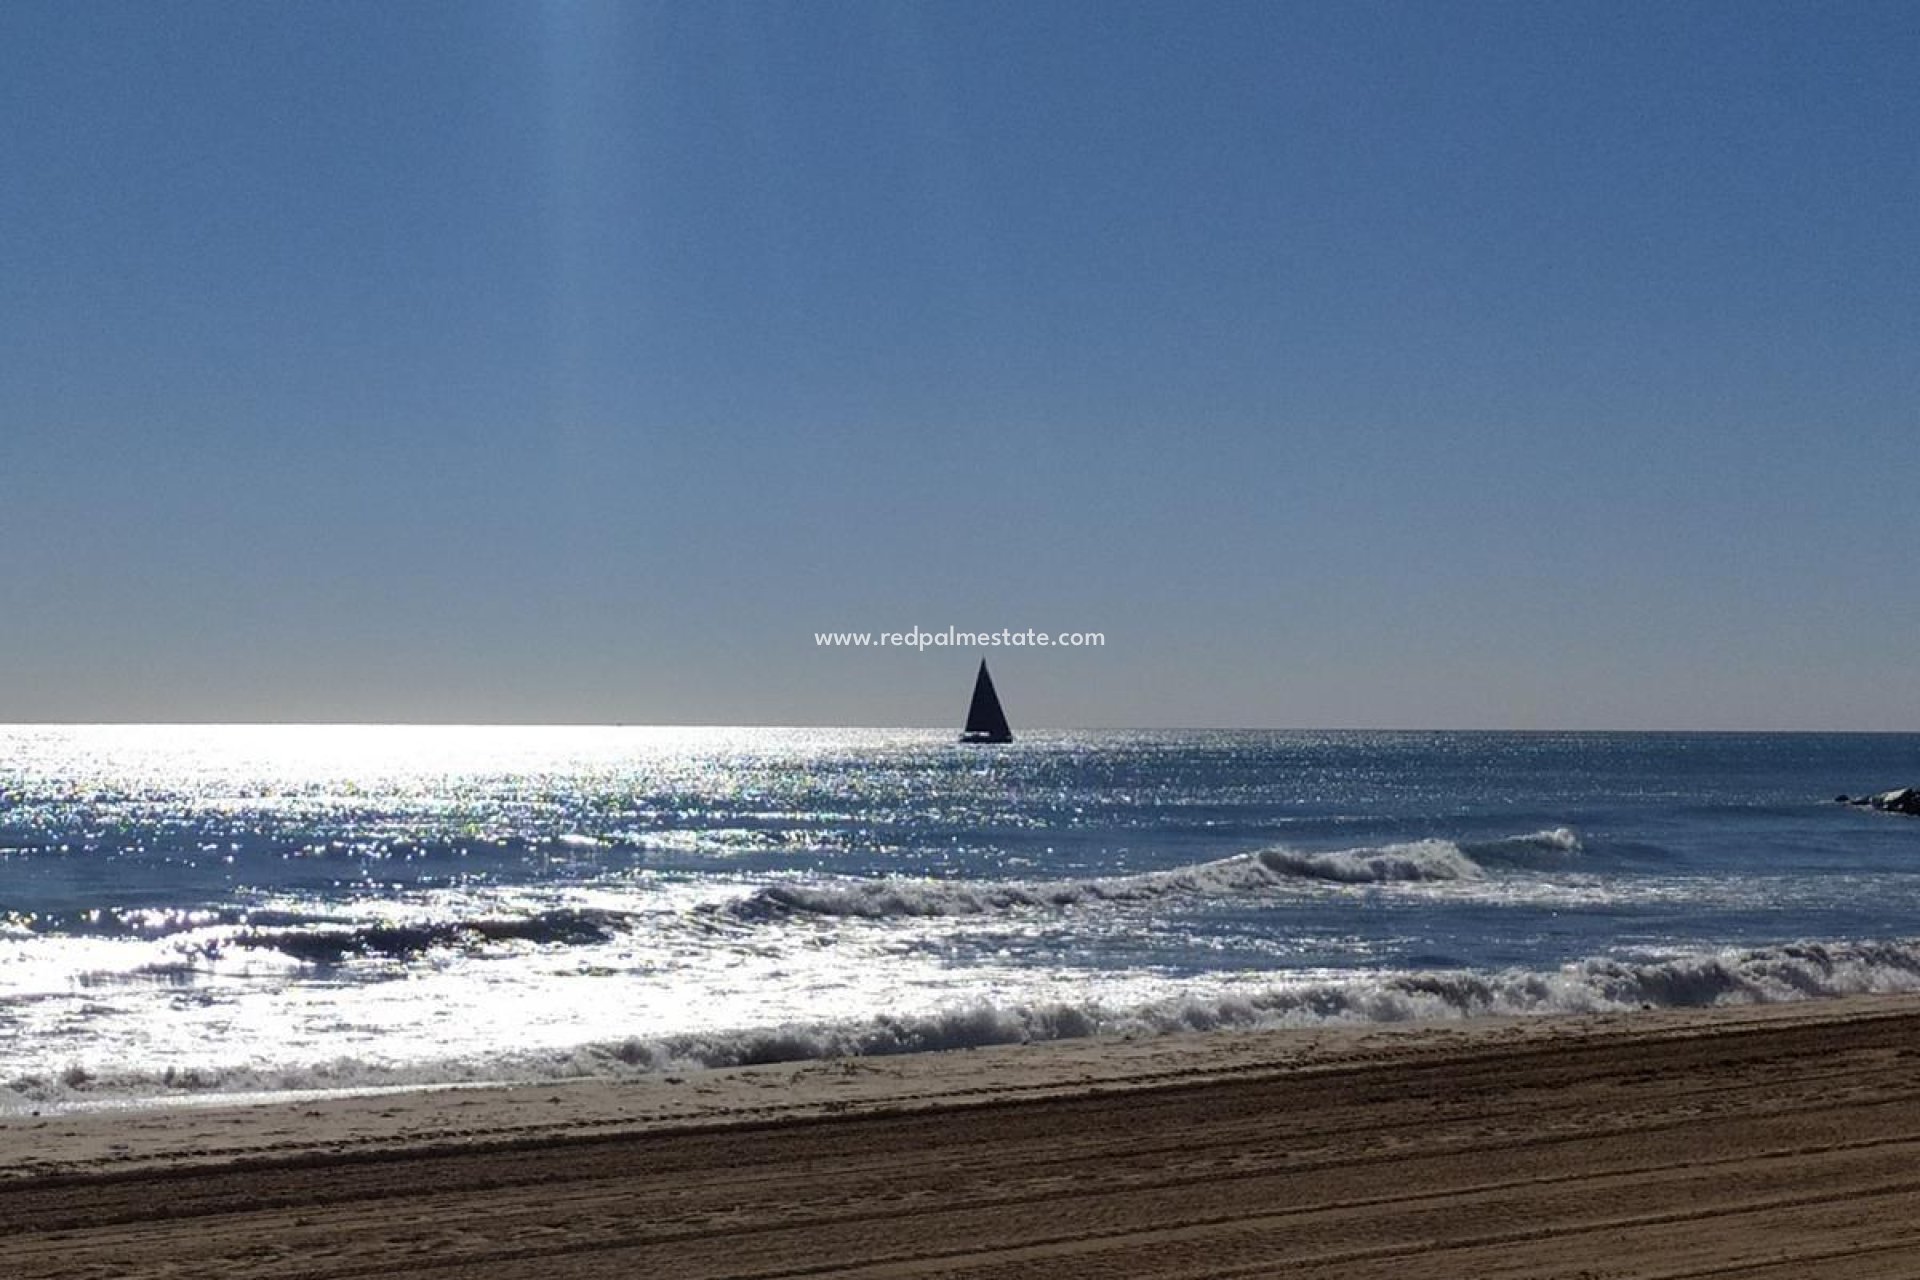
x=986 y=722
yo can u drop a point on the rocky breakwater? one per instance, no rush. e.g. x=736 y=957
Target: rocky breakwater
x=1905 y=800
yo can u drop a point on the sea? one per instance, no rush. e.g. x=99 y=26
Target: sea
x=209 y=911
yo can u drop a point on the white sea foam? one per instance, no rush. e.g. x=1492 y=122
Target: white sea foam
x=1552 y=845
x=1244 y=873
x=1418 y=860
x=1799 y=971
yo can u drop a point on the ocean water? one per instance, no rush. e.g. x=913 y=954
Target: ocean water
x=186 y=910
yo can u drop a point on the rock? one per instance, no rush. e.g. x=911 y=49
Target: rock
x=1905 y=800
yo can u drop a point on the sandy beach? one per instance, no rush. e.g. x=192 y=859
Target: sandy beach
x=1777 y=1141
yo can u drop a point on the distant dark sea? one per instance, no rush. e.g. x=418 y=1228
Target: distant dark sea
x=194 y=910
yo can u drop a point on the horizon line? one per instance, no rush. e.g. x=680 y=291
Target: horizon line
x=921 y=728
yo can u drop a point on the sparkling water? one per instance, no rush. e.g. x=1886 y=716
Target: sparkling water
x=195 y=908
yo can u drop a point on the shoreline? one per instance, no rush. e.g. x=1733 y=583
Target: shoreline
x=1187 y=1154
x=1721 y=977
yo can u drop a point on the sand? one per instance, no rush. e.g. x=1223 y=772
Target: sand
x=1778 y=1142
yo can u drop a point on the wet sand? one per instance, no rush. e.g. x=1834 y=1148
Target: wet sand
x=1777 y=1142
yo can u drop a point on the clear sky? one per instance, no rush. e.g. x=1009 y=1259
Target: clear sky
x=1427 y=364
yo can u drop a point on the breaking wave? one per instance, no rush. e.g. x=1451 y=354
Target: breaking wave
x=1798 y=971
x=189 y=938
x=1419 y=860
x=1250 y=872
x=327 y=943
x=1535 y=848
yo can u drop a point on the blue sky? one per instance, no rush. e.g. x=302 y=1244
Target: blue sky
x=1346 y=364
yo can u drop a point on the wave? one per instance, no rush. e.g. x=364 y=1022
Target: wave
x=1771 y=975
x=886 y=899
x=1536 y=847
x=190 y=935
x=1792 y=972
x=124 y=922
x=331 y=943
x=1419 y=860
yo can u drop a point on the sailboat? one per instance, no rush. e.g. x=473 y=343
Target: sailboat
x=986 y=722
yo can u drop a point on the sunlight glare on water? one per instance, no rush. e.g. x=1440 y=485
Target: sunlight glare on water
x=286 y=907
